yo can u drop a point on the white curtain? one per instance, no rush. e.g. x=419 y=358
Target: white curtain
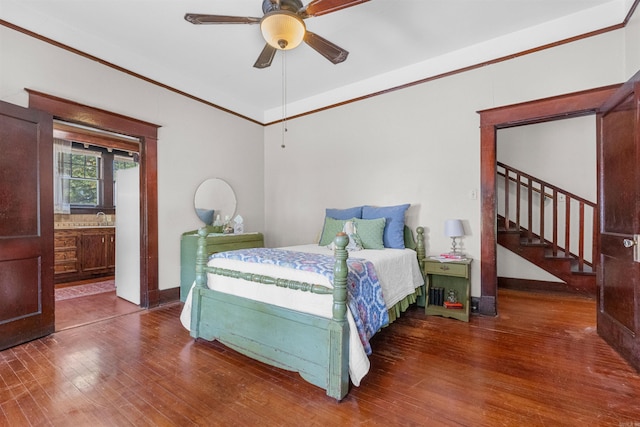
x=60 y=179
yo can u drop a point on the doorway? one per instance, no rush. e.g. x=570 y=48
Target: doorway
x=559 y=107
x=549 y=153
x=96 y=228
x=146 y=133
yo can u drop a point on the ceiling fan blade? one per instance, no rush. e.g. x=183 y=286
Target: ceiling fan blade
x=322 y=7
x=196 y=18
x=324 y=47
x=266 y=56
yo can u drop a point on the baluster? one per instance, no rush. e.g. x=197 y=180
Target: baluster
x=594 y=240
x=581 y=239
x=518 y=185
x=554 y=238
x=542 y=200
x=529 y=211
x=567 y=226
x=507 y=188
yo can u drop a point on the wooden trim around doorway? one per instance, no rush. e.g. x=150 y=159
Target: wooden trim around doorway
x=147 y=133
x=542 y=110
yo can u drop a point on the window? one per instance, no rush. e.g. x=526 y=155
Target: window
x=83 y=169
x=85 y=165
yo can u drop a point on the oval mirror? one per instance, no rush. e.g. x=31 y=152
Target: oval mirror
x=214 y=197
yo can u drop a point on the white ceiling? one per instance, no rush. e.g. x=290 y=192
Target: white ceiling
x=391 y=43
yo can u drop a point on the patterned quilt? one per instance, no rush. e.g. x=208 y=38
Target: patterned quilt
x=364 y=294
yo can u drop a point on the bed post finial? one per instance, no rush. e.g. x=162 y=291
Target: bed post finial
x=201 y=258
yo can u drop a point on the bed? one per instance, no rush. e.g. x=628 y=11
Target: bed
x=297 y=318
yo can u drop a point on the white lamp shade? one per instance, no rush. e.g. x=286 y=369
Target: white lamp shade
x=282 y=29
x=453 y=228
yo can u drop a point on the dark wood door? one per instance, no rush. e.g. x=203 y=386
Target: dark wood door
x=26 y=225
x=619 y=198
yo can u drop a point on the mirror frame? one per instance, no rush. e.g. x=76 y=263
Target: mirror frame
x=214 y=193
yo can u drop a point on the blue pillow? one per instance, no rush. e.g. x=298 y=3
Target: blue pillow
x=393 y=236
x=344 y=214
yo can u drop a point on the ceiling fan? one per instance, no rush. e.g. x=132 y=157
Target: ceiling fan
x=283 y=27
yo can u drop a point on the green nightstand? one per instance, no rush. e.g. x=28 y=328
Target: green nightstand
x=449 y=276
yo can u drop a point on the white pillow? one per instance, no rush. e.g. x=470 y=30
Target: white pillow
x=355 y=243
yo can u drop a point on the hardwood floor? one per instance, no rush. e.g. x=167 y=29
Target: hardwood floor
x=539 y=363
x=88 y=309
x=81 y=311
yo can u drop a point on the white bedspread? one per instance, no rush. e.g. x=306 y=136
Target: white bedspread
x=397 y=269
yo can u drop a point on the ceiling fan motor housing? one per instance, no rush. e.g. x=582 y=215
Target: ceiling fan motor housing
x=274 y=5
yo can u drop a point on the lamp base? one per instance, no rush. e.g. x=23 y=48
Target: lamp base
x=455 y=247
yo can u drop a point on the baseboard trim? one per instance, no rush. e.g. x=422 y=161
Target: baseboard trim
x=169 y=295
x=536 y=286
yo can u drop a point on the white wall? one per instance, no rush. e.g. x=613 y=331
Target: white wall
x=418 y=145
x=552 y=151
x=195 y=141
x=632 y=45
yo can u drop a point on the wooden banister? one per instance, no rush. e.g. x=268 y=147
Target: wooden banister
x=575 y=236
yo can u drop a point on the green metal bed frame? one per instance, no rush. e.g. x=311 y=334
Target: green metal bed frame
x=315 y=347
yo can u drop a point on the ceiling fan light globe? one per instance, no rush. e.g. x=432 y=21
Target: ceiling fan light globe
x=282 y=28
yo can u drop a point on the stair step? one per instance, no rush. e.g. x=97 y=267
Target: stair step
x=534 y=242
x=560 y=255
x=508 y=230
x=561 y=265
x=587 y=270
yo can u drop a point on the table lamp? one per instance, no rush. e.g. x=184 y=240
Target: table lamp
x=453 y=228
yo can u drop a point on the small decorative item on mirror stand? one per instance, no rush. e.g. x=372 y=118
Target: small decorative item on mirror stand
x=218 y=226
x=228 y=226
x=239 y=224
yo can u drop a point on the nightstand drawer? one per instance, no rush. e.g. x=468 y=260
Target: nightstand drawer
x=446 y=269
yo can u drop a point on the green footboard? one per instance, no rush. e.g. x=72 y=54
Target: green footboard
x=315 y=347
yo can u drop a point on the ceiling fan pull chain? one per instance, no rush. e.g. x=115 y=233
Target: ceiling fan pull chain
x=284 y=96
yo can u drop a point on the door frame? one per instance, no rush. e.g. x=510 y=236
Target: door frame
x=543 y=110
x=147 y=133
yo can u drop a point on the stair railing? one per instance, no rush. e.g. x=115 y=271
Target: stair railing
x=573 y=218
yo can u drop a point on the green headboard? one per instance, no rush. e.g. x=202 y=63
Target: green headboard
x=409 y=240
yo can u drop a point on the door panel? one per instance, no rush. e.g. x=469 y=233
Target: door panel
x=619 y=198
x=26 y=225
x=94 y=256
x=19 y=301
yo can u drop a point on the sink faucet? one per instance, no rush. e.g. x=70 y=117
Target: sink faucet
x=102 y=218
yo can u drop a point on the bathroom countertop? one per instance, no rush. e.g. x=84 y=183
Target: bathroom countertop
x=75 y=225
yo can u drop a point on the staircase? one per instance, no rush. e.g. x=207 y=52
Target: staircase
x=549 y=227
